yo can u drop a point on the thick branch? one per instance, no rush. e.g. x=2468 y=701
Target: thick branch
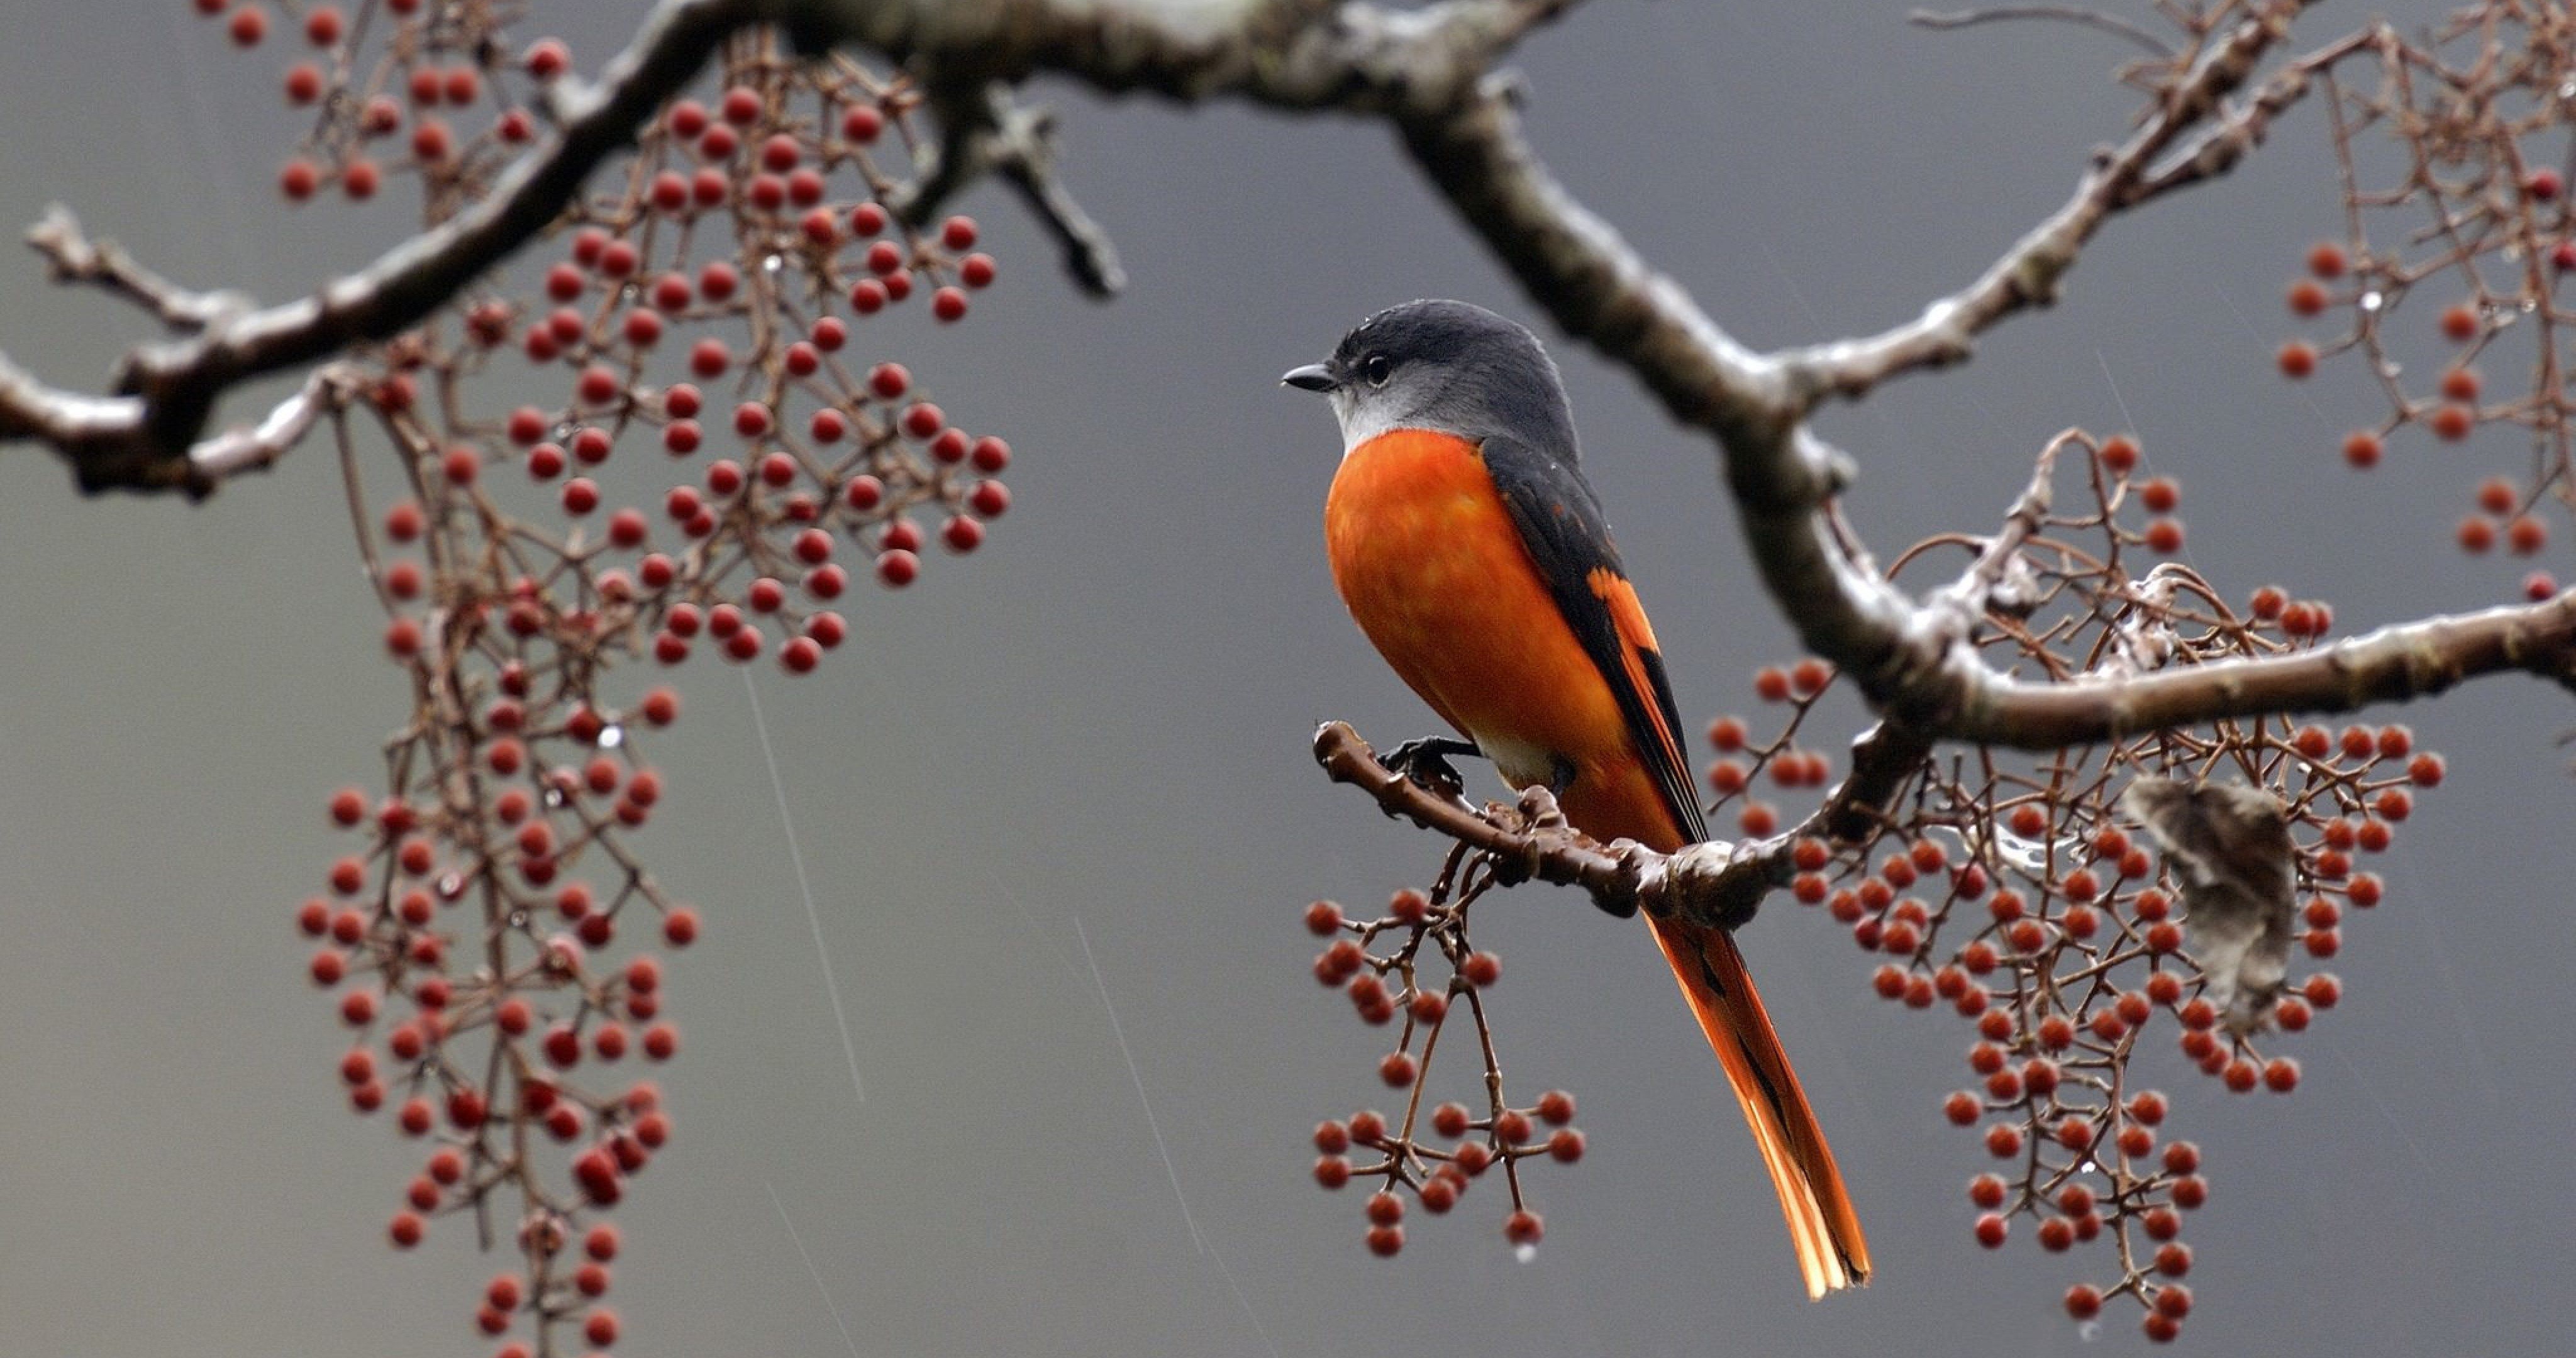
x=2392 y=664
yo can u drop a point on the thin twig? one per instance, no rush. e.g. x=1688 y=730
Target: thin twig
x=2108 y=23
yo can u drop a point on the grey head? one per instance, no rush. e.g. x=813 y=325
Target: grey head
x=1450 y=366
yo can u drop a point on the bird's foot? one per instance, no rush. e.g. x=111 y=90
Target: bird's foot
x=1426 y=761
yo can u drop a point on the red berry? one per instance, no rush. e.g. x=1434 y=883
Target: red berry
x=2460 y=323
x=2120 y=454
x=948 y=304
x=898 y=567
x=2306 y=298
x=2297 y=359
x=680 y=927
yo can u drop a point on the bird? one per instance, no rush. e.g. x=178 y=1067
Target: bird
x=1475 y=557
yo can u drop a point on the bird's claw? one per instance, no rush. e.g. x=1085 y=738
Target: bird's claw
x=1426 y=762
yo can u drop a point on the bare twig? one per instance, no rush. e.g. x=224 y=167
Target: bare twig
x=986 y=132
x=74 y=258
x=2027 y=275
x=2108 y=23
x=221 y=456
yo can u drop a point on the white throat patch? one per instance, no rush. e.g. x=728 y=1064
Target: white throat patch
x=1361 y=420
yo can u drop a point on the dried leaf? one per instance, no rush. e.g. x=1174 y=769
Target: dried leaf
x=2230 y=850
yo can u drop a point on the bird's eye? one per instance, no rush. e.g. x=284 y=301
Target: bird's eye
x=1377 y=369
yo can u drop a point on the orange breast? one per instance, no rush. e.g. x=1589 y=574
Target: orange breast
x=1432 y=568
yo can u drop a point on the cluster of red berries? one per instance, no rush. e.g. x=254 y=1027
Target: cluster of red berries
x=2023 y=901
x=2506 y=245
x=1461 y=1144
x=1789 y=765
x=713 y=306
x=477 y=975
x=452 y=124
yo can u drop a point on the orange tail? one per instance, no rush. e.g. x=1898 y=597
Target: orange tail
x=1822 y=1225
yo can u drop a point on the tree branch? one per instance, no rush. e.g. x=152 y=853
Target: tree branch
x=2028 y=274
x=144 y=437
x=1430 y=74
x=2108 y=23
x=73 y=257
x=1711 y=883
x=2393 y=664
x=986 y=132
x=1298 y=54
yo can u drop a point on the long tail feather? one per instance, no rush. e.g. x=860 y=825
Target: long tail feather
x=1822 y=1225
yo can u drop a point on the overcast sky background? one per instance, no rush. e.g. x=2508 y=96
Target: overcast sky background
x=1089 y=742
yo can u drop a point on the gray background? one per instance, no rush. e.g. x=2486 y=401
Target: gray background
x=1102 y=719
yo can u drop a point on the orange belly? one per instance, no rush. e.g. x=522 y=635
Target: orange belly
x=1428 y=560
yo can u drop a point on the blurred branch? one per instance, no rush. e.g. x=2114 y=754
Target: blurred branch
x=2108 y=23
x=984 y=131
x=146 y=435
x=74 y=258
x=1289 y=53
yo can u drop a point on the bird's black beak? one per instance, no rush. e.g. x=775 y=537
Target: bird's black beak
x=1312 y=377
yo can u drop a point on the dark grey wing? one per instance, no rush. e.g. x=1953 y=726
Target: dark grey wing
x=1561 y=523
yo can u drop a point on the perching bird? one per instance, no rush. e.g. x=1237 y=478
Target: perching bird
x=1474 y=556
